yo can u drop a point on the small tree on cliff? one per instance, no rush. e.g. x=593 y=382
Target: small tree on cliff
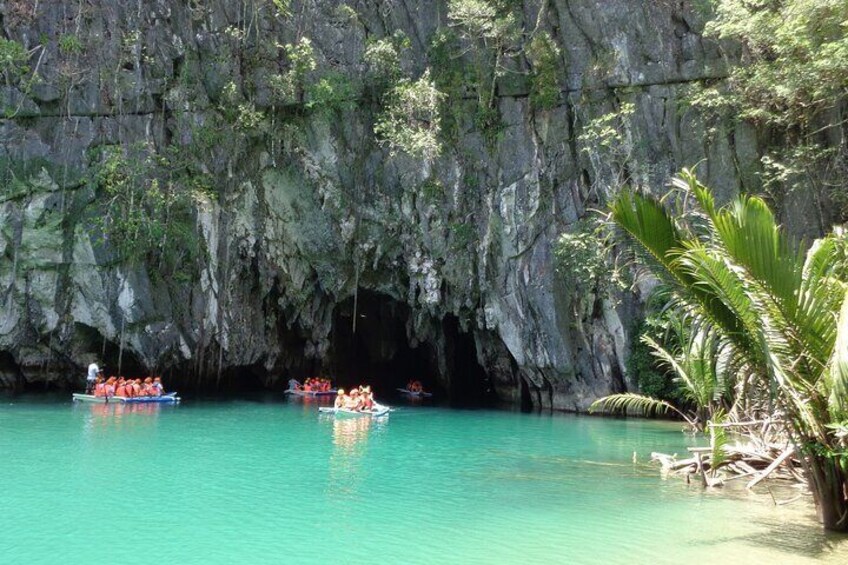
x=781 y=313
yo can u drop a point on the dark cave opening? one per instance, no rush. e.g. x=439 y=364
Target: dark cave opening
x=238 y=381
x=108 y=353
x=370 y=346
x=10 y=375
x=469 y=382
x=376 y=350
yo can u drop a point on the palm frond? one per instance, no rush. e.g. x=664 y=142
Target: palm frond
x=838 y=369
x=640 y=404
x=723 y=294
x=751 y=236
x=646 y=220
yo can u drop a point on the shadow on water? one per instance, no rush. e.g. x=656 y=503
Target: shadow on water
x=802 y=540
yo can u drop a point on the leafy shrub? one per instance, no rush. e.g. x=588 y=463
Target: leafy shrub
x=544 y=56
x=410 y=122
x=13 y=61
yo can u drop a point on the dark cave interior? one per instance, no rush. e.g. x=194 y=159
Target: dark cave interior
x=378 y=352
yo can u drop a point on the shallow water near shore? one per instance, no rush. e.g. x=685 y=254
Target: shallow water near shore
x=272 y=482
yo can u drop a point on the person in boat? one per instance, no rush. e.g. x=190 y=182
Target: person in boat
x=121 y=387
x=367 y=399
x=109 y=387
x=353 y=401
x=99 y=387
x=136 y=387
x=340 y=399
x=294 y=384
x=158 y=388
x=91 y=378
x=147 y=388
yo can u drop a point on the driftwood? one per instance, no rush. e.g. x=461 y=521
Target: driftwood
x=761 y=453
x=774 y=465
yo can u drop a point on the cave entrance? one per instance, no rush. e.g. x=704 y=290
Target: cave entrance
x=469 y=382
x=377 y=351
x=109 y=354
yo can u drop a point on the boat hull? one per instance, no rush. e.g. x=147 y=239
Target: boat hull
x=170 y=398
x=409 y=393
x=345 y=413
x=312 y=394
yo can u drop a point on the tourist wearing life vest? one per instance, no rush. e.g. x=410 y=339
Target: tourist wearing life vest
x=367 y=399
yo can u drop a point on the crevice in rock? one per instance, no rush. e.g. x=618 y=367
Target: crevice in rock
x=10 y=373
x=469 y=381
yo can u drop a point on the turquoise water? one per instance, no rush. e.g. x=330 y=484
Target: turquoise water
x=272 y=482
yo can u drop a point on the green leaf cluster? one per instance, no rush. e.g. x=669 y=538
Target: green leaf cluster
x=775 y=314
x=148 y=204
x=383 y=57
x=411 y=121
x=13 y=61
x=70 y=44
x=794 y=60
x=582 y=255
x=289 y=87
x=544 y=56
x=788 y=76
x=653 y=379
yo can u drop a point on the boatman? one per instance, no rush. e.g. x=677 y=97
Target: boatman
x=93 y=372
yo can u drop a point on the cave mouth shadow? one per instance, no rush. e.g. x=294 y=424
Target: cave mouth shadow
x=378 y=352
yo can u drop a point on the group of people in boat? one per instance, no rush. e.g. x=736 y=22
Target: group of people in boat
x=414 y=386
x=128 y=388
x=98 y=385
x=359 y=399
x=313 y=384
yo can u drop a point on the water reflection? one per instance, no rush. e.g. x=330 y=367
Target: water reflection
x=97 y=417
x=311 y=404
x=348 y=432
x=350 y=438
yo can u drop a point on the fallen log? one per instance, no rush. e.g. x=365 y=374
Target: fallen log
x=774 y=465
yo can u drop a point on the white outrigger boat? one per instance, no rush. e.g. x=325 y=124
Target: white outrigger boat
x=414 y=394
x=312 y=393
x=170 y=398
x=378 y=411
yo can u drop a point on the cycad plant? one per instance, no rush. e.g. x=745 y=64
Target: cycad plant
x=696 y=368
x=778 y=312
x=696 y=365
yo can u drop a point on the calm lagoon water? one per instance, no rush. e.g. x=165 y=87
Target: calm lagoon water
x=272 y=482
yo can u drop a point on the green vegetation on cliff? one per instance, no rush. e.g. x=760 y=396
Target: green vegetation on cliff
x=790 y=81
x=149 y=204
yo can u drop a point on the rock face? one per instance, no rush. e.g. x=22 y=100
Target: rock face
x=445 y=265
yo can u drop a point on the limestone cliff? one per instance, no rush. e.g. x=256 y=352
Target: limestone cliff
x=314 y=228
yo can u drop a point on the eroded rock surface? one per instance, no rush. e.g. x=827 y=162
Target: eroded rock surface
x=311 y=211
